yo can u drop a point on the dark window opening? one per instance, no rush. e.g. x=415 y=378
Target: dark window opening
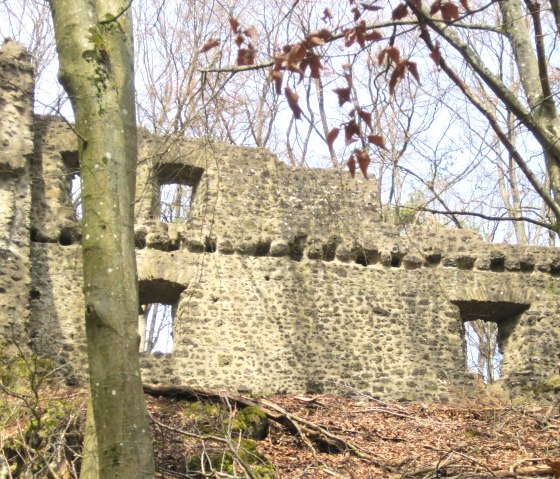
x=487 y=326
x=177 y=188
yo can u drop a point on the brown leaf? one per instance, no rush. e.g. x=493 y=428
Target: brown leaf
x=400 y=11
x=315 y=65
x=327 y=14
x=361 y=33
x=313 y=40
x=449 y=12
x=377 y=140
x=435 y=55
x=343 y=95
x=413 y=69
x=234 y=24
x=350 y=37
x=348 y=78
x=374 y=35
x=366 y=118
x=397 y=75
x=277 y=76
x=352 y=165
x=371 y=8
x=293 y=99
x=239 y=39
x=331 y=136
x=251 y=32
x=350 y=129
x=364 y=160
x=392 y=52
x=296 y=55
x=357 y=13
x=246 y=56
x=465 y=5
x=212 y=43
x=435 y=7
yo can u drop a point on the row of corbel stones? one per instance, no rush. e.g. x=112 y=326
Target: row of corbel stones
x=394 y=253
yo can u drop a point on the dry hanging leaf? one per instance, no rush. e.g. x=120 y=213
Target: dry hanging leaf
x=400 y=11
x=449 y=12
x=465 y=5
x=377 y=140
x=352 y=165
x=293 y=99
x=343 y=95
x=350 y=129
x=371 y=8
x=435 y=7
x=251 y=32
x=331 y=136
x=239 y=40
x=374 y=35
x=357 y=13
x=366 y=118
x=327 y=14
x=246 y=56
x=234 y=24
x=413 y=69
x=277 y=76
x=398 y=74
x=435 y=55
x=392 y=52
x=364 y=160
x=212 y=43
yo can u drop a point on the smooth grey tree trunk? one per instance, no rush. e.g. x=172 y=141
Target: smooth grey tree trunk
x=94 y=44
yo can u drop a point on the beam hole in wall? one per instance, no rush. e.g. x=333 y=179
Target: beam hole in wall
x=329 y=251
x=263 y=248
x=296 y=247
x=210 y=245
x=158 y=299
x=433 y=259
x=396 y=259
x=368 y=257
x=487 y=326
x=177 y=188
x=497 y=264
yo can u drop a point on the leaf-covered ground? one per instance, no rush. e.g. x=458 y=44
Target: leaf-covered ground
x=470 y=438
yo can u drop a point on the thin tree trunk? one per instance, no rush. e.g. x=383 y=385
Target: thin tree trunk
x=94 y=44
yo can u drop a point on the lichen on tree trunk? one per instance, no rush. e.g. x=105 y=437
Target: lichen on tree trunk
x=94 y=44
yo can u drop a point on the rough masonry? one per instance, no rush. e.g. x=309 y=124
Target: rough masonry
x=281 y=279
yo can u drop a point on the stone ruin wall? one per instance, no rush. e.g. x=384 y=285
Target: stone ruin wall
x=282 y=279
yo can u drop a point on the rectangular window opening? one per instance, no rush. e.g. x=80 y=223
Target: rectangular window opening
x=155 y=325
x=484 y=357
x=76 y=194
x=175 y=202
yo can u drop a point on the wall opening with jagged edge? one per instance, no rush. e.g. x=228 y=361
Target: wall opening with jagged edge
x=280 y=279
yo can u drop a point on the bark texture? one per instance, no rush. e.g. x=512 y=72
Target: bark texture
x=94 y=45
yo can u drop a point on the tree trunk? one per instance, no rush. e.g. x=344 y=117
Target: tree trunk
x=94 y=44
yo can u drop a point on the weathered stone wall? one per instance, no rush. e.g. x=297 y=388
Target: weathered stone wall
x=16 y=150
x=281 y=279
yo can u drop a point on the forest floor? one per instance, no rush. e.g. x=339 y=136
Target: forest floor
x=308 y=437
